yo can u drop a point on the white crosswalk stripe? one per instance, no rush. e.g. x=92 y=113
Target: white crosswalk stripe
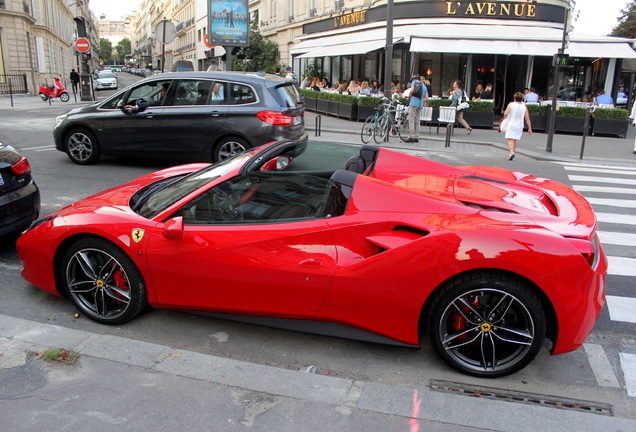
x=612 y=193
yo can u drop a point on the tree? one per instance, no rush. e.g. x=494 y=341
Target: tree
x=123 y=49
x=626 y=22
x=105 y=49
x=259 y=55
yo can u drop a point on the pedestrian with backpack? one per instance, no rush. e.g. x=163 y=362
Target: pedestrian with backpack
x=418 y=98
x=459 y=97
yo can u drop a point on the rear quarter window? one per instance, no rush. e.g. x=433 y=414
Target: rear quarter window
x=287 y=95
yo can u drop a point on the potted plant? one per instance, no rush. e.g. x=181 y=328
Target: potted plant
x=570 y=119
x=347 y=106
x=322 y=102
x=332 y=104
x=480 y=114
x=309 y=96
x=538 y=116
x=610 y=121
x=366 y=106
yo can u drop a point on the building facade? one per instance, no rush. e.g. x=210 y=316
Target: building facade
x=37 y=41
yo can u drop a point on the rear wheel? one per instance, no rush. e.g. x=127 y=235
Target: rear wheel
x=82 y=147
x=228 y=147
x=382 y=129
x=403 y=128
x=487 y=325
x=368 y=129
x=103 y=282
x=44 y=97
x=64 y=97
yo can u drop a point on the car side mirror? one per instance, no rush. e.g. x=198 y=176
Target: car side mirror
x=279 y=163
x=120 y=104
x=173 y=228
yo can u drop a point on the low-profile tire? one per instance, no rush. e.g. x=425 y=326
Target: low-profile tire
x=486 y=324
x=103 y=282
x=229 y=147
x=64 y=97
x=82 y=147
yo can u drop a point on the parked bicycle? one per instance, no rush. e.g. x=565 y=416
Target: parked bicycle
x=394 y=121
x=372 y=124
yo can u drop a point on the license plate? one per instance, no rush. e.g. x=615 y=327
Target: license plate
x=297 y=120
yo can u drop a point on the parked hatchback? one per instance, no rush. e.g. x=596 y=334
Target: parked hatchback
x=203 y=116
x=19 y=195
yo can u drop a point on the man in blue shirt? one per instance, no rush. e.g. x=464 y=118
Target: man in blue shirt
x=602 y=98
x=418 y=98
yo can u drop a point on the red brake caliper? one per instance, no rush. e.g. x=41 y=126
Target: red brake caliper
x=458 y=320
x=120 y=280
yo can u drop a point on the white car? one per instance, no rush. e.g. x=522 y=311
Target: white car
x=105 y=80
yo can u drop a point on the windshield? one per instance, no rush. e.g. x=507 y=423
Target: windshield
x=106 y=75
x=169 y=193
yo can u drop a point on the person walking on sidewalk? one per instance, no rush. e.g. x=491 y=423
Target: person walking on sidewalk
x=458 y=96
x=633 y=117
x=75 y=79
x=418 y=98
x=515 y=114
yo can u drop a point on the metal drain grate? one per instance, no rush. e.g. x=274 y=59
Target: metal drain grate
x=522 y=397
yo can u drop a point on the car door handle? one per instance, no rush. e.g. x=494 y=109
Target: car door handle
x=148 y=115
x=215 y=114
x=311 y=263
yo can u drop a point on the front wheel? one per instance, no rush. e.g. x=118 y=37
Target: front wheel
x=229 y=147
x=368 y=129
x=487 y=325
x=103 y=282
x=82 y=147
x=64 y=97
x=382 y=129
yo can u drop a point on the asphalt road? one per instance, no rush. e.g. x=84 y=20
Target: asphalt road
x=63 y=182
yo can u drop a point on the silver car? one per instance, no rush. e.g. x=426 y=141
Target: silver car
x=106 y=80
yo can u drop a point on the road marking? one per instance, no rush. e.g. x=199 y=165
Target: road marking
x=601 y=366
x=611 y=180
x=45 y=147
x=620 y=266
x=603 y=189
x=621 y=308
x=612 y=202
x=628 y=364
x=609 y=170
x=573 y=166
x=617 y=238
x=616 y=218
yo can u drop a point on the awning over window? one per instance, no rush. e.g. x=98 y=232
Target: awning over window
x=478 y=46
x=349 y=48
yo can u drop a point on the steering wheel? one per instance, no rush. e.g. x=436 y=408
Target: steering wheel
x=228 y=203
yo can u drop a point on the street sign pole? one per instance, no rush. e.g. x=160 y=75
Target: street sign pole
x=85 y=77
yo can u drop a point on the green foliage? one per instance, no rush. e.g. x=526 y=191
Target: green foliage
x=436 y=103
x=481 y=106
x=626 y=22
x=260 y=55
x=400 y=100
x=369 y=101
x=345 y=98
x=537 y=109
x=570 y=111
x=611 y=113
x=307 y=93
x=313 y=70
x=122 y=50
x=105 y=49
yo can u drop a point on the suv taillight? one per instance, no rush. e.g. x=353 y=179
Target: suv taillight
x=21 y=167
x=275 y=118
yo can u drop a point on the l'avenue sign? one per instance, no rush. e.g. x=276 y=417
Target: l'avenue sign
x=491 y=9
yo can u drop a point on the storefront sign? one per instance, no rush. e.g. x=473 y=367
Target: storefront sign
x=491 y=9
x=351 y=18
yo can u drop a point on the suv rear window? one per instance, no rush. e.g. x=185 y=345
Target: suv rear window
x=287 y=95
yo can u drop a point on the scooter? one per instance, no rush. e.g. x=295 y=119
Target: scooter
x=51 y=91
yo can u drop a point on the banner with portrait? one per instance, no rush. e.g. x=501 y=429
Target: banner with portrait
x=228 y=22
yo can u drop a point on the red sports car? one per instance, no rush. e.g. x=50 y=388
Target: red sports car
x=384 y=247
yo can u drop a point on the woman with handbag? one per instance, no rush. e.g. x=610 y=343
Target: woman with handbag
x=512 y=123
x=458 y=97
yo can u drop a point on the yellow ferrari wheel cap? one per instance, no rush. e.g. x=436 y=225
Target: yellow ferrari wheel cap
x=485 y=327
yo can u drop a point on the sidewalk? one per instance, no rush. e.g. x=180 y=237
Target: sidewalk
x=133 y=385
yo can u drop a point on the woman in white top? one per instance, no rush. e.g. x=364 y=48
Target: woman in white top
x=516 y=113
x=633 y=117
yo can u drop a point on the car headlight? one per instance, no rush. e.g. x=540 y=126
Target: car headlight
x=59 y=119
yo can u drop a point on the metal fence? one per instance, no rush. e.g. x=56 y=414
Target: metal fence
x=13 y=83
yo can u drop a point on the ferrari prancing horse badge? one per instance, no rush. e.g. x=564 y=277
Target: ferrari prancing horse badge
x=137 y=234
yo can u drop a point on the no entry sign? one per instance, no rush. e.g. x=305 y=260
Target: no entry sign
x=82 y=45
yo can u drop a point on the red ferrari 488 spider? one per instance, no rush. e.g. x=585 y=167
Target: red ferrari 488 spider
x=381 y=246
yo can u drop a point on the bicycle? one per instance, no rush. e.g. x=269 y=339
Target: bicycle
x=371 y=124
x=394 y=121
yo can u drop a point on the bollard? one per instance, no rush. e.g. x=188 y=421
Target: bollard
x=318 y=126
x=11 y=92
x=449 y=132
x=586 y=126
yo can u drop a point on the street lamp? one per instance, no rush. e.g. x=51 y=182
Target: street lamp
x=388 y=55
x=557 y=68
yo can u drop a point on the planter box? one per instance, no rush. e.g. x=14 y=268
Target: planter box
x=322 y=105
x=348 y=111
x=365 y=111
x=569 y=124
x=310 y=103
x=539 y=122
x=479 y=119
x=613 y=127
x=332 y=108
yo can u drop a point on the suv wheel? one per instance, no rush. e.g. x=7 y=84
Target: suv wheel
x=228 y=147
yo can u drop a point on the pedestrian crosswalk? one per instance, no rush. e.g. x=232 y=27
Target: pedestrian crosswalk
x=612 y=193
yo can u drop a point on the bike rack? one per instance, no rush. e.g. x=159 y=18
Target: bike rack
x=449 y=133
